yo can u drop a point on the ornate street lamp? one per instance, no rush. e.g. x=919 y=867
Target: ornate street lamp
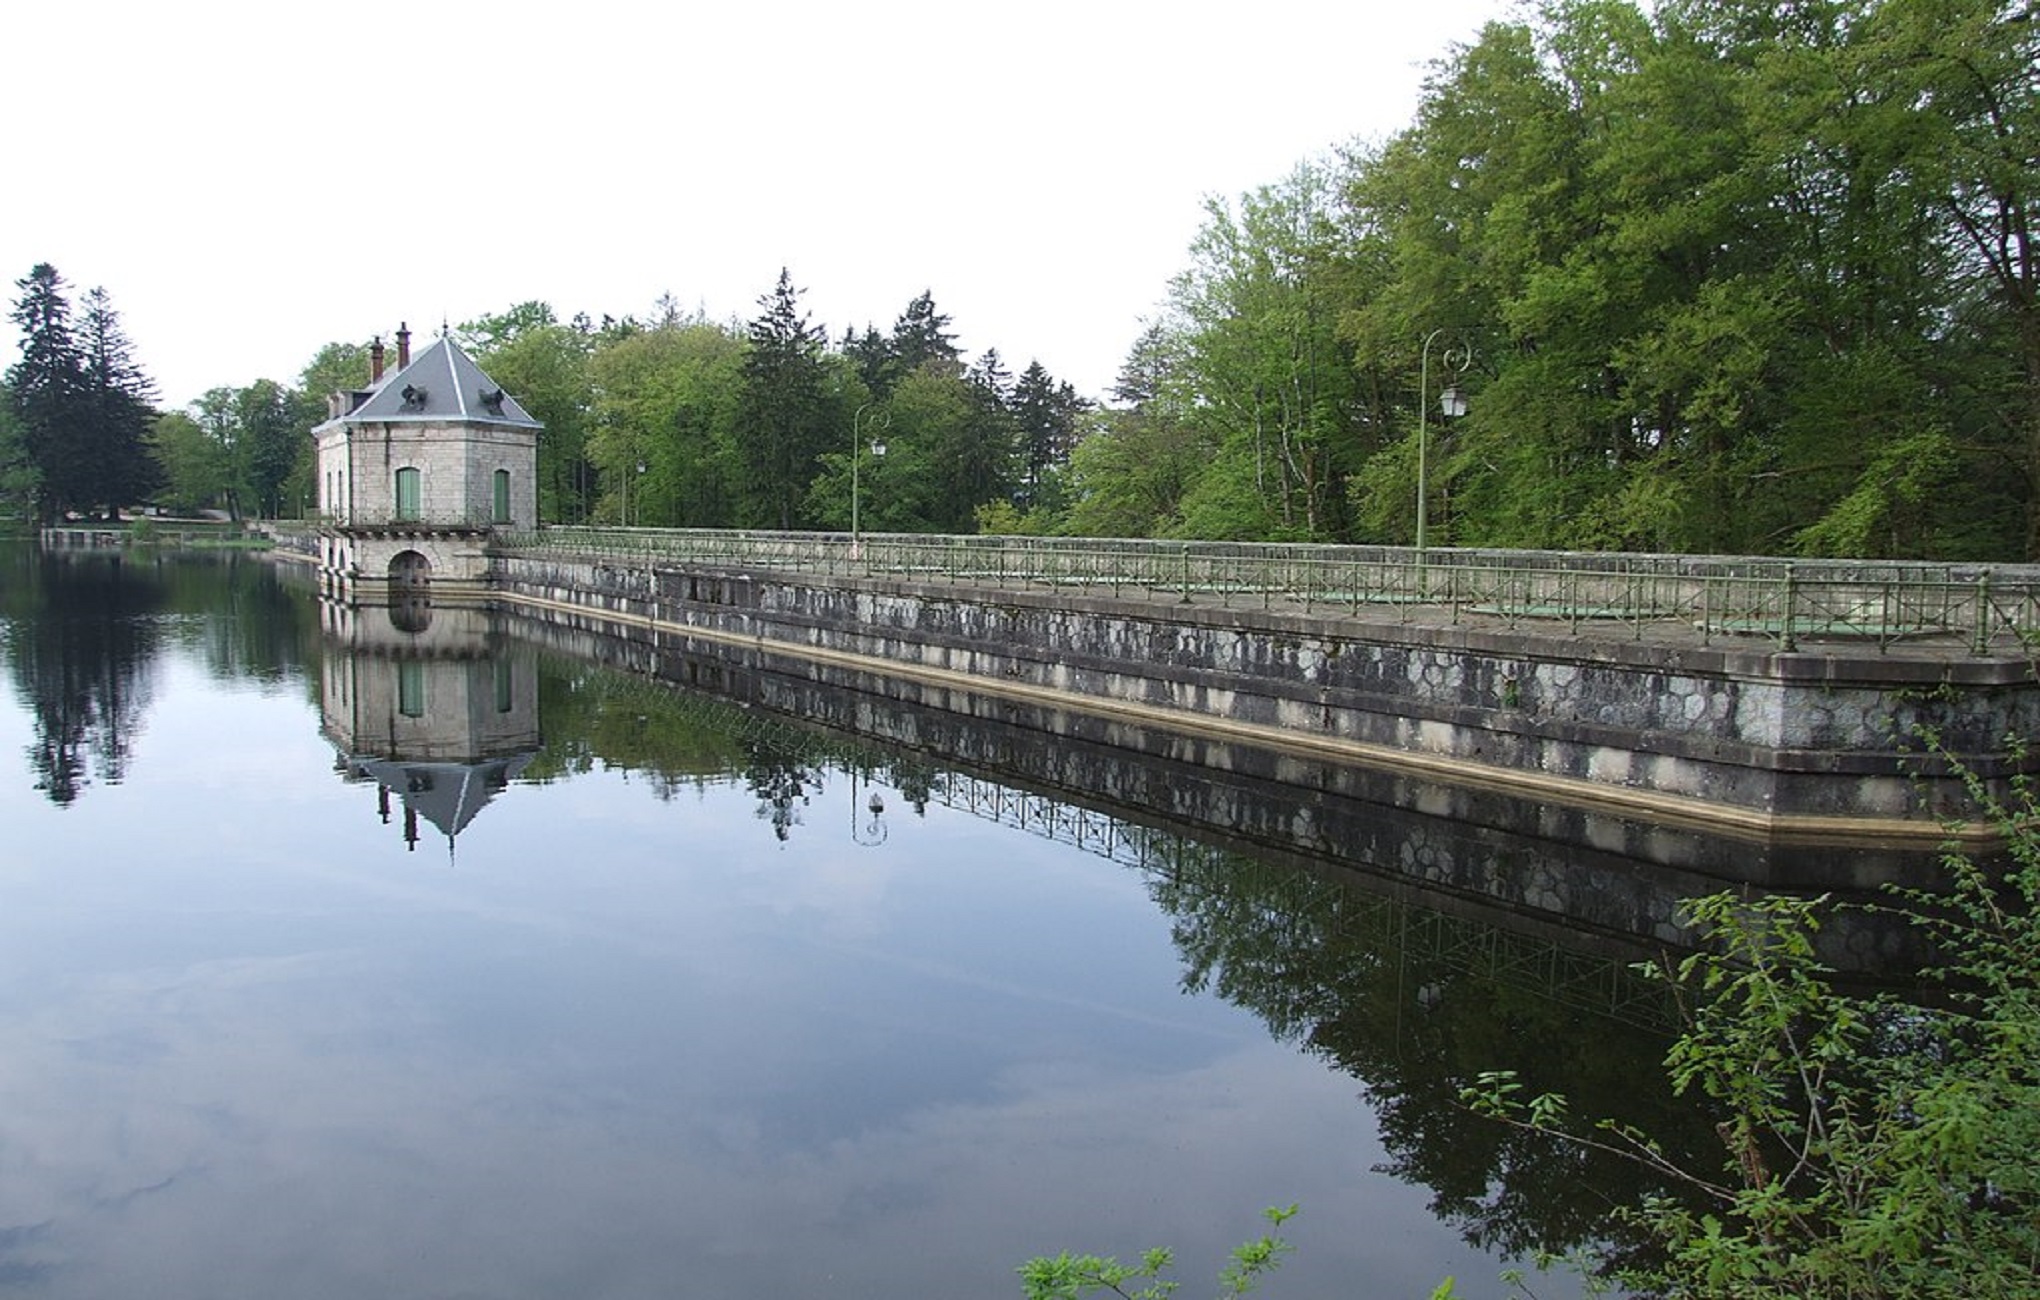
x=1453 y=360
x=857 y=434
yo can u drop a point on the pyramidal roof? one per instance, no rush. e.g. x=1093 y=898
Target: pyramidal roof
x=443 y=383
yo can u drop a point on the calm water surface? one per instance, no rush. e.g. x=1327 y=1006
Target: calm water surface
x=673 y=1012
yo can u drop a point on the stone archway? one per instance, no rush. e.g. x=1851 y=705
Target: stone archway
x=410 y=573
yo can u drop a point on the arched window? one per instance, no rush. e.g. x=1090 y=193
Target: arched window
x=502 y=501
x=410 y=494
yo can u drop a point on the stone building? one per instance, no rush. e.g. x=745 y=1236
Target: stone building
x=415 y=472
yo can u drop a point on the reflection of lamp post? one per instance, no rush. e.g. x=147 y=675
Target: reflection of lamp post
x=856 y=448
x=873 y=830
x=1451 y=405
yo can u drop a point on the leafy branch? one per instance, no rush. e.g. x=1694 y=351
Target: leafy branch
x=1069 y=1277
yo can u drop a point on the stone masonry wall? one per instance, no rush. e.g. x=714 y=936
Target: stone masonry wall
x=1801 y=735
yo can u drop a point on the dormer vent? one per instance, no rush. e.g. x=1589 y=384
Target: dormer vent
x=414 y=397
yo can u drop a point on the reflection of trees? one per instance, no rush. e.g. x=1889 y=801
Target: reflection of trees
x=241 y=616
x=681 y=739
x=81 y=639
x=781 y=783
x=1416 y=1005
x=598 y=717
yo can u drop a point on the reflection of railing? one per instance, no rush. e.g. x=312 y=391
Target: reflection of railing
x=1972 y=606
x=1178 y=868
x=1175 y=864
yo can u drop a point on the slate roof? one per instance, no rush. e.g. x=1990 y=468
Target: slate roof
x=443 y=383
x=446 y=794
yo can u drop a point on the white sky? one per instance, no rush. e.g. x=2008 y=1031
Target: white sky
x=251 y=181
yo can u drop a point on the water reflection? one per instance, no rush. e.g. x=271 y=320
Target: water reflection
x=782 y=984
x=1407 y=990
x=437 y=711
x=84 y=670
x=82 y=632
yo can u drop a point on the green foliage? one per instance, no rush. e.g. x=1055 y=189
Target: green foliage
x=781 y=431
x=194 y=463
x=548 y=366
x=1730 y=271
x=1069 y=1277
x=663 y=428
x=18 y=478
x=1869 y=1146
x=81 y=407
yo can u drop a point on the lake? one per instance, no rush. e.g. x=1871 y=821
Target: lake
x=483 y=969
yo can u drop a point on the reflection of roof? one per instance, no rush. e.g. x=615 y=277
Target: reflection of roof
x=446 y=794
x=443 y=383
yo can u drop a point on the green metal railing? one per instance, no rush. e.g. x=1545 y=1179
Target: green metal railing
x=1982 y=607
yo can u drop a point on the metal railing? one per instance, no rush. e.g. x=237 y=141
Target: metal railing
x=1985 y=608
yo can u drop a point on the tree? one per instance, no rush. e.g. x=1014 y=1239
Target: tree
x=18 y=481
x=921 y=337
x=197 y=472
x=335 y=368
x=781 y=426
x=217 y=414
x=82 y=403
x=920 y=484
x=118 y=411
x=487 y=334
x=1868 y=1146
x=46 y=388
x=1045 y=416
x=664 y=423
x=1130 y=470
x=273 y=441
x=547 y=366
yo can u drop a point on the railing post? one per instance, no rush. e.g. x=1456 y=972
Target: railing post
x=1791 y=641
x=1186 y=576
x=1979 y=641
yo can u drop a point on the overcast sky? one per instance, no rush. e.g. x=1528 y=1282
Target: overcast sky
x=251 y=181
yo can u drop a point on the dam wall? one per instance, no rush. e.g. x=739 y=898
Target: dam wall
x=1822 y=741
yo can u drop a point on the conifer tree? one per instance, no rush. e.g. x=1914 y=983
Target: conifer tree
x=782 y=409
x=83 y=406
x=1045 y=416
x=120 y=411
x=921 y=336
x=46 y=386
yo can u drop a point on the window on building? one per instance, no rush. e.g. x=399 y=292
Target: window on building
x=411 y=688
x=502 y=503
x=410 y=493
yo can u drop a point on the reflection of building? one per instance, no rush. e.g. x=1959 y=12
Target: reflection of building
x=416 y=471
x=442 y=717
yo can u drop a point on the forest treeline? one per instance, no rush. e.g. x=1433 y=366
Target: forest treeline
x=1710 y=276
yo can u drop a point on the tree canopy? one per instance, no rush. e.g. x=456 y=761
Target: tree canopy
x=80 y=405
x=1727 y=277
x=1712 y=276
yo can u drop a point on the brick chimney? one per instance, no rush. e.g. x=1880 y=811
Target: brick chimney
x=375 y=360
x=403 y=345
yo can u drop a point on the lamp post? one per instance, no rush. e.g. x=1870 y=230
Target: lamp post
x=1457 y=355
x=857 y=429
x=873 y=830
